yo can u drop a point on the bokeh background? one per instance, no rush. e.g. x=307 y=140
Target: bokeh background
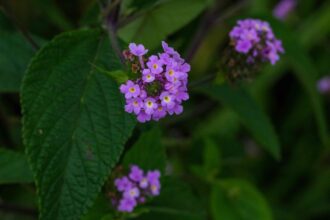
x=209 y=140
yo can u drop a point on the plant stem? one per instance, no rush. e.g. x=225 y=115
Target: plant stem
x=110 y=14
x=209 y=20
x=20 y=28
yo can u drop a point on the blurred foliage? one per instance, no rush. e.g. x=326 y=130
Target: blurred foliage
x=257 y=150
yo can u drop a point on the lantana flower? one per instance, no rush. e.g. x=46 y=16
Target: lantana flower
x=160 y=84
x=252 y=42
x=135 y=188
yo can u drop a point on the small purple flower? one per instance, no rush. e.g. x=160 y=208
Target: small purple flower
x=243 y=46
x=137 y=49
x=178 y=109
x=133 y=105
x=159 y=113
x=155 y=64
x=147 y=76
x=123 y=184
x=144 y=183
x=167 y=100
x=136 y=173
x=150 y=105
x=323 y=85
x=155 y=188
x=132 y=193
x=167 y=49
x=130 y=89
x=127 y=205
x=153 y=176
x=283 y=8
x=143 y=117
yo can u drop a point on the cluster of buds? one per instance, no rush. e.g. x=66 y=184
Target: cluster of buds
x=159 y=84
x=135 y=188
x=252 y=42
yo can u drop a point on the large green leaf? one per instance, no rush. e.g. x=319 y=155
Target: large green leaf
x=15 y=54
x=254 y=119
x=14 y=168
x=74 y=124
x=148 y=152
x=238 y=200
x=175 y=202
x=162 y=20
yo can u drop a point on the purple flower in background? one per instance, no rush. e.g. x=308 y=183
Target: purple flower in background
x=136 y=173
x=323 y=85
x=243 y=46
x=127 y=205
x=132 y=193
x=255 y=39
x=137 y=49
x=123 y=184
x=283 y=8
x=161 y=83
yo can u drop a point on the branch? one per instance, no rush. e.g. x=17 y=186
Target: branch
x=20 y=28
x=18 y=209
x=209 y=20
x=110 y=15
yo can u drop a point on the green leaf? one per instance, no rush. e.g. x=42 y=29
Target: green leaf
x=148 y=152
x=236 y=199
x=74 y=124
x=162 y=20
x=175 y=202
x=305 y=71
x=254 y=119
x=14 y=168
x=212 y=159
x=15 y=55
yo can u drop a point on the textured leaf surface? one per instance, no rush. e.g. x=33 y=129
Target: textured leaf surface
x=175 y=202
x=162 y=20
x=236 y=199
x=254 y=119
x=148 y=152
x=14 y=168
x=75 y=126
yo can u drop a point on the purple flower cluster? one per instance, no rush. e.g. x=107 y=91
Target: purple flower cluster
x=160 y=86
x=283 y=8
x=255 y=39
x=323 y=85
x=135 y=188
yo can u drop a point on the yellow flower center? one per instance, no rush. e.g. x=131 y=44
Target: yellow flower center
x=132 y=89
x=153 y=187
x=166 y=98
x=135 y=103
x=171 y=72
x=148 y=76
x=132 y=193
x=149 y=103
x=155 y=66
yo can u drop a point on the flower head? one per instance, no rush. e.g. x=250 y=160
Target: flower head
x=135 y=188
x=283 y=8
x=160 y=86
x=255 y=37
